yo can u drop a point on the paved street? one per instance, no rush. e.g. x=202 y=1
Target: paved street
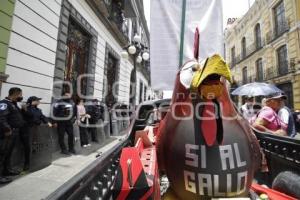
x=40 y=184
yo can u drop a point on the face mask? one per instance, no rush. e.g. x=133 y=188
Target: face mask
x=19 y=99
x=211 y=91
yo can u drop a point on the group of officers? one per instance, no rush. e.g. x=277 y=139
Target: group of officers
x=18 y=120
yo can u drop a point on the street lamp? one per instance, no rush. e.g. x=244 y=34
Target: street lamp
x=139 y=53
x=139 y=59
x=146 y=56
x=132 y=49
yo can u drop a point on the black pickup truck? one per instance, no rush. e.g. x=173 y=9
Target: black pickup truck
x=283 y=161
x=95 y=182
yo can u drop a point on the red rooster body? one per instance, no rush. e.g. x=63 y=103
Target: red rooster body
x=203 y=146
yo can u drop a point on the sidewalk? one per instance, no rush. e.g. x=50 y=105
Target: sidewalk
x=40 y=184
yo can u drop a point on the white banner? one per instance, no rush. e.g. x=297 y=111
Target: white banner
x=165 y=36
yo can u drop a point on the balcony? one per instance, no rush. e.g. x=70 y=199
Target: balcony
x=253 y=78
x=280 y=70
x=251 y=49
x=279 y=30
x=246 y=80
x=112 y=14
x=116 y=15
x=237 y=59
x=259 y=77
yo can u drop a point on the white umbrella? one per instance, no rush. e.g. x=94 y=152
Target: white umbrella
x=256 y=89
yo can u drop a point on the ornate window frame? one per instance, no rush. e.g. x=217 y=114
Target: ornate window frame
x=109 y=51
x=67 y=12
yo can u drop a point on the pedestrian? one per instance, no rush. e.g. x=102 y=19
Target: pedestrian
x=10 y=122
x=247 y=109
x=64 y=114
x=95 y=111
x=256 y=109
x=267 y=119
x=82 y=121
x=296 y=116
x=33 y=117
x=285 y=114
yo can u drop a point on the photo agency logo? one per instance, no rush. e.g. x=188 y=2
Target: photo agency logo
x=125 y=109
x=63 y=108
x=200 y=109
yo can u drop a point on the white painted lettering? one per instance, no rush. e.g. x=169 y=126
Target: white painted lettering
x=217 y=193
x=226 y=154
x=189 y=181
x=193 y=158
x=238 y=156
x=241 y=182
x=203 y=156
x=205 y=181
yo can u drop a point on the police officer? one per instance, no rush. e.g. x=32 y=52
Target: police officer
x=10 y=122
x=95 y=110
x=33 y=117
x=64 y=111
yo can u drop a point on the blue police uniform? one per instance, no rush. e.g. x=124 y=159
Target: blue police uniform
x=64 y=112
x=10 y=121
x=33 y=117
x=96 y=112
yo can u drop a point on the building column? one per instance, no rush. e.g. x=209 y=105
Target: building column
x=296 y=91
x=6 y=12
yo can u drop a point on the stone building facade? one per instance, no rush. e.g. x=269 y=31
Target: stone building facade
x=264 y=46
x=45 y=43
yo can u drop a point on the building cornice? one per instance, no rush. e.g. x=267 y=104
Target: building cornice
x=142 y=18
x=240 y=22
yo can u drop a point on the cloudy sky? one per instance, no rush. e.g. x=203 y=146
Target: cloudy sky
x=231 y=8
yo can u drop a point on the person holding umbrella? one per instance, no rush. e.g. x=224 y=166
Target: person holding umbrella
x=267 y=119
x=247 y=109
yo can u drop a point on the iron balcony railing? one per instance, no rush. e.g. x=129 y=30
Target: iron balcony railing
x=251 y=49
x=278 y=31
x=250 y=79
x=259 y=77
x=280 y=70
x=116 y=15
x=237 y=59
x=245 y=80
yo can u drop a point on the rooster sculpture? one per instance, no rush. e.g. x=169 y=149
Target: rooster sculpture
x=205 y=148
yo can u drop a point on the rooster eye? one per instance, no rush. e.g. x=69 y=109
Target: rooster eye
x=194 y=68
x=187 y=72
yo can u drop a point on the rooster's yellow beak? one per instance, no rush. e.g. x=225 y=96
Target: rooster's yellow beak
x=213 y=65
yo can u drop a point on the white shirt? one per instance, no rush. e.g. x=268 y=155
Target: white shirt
x=247 y=111
x=283 y=114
